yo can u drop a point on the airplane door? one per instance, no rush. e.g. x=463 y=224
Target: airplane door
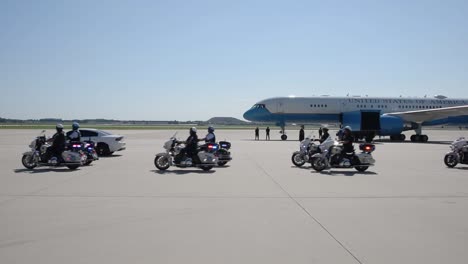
x=280 y=107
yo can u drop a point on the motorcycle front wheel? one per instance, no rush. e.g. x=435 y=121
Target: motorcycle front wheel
x=298 y=159
x=162 y=162
x=28 y=161
x=450 y=160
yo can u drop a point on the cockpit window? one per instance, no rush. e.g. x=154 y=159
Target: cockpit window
x=258 y=106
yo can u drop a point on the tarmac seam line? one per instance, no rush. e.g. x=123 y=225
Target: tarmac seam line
x=308 y=213
x=36 y=192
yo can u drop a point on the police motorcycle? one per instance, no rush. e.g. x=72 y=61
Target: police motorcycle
x=175 y=156
x=307 y=148
x=223 y=154
x=86 y=147
x=76 y=144
x=331 y=156
x=36 y=156
x=458 y=153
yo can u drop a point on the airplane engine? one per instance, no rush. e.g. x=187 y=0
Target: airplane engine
x=390 y=125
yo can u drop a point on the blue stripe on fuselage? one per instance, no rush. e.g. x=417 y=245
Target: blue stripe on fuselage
x=263 y=115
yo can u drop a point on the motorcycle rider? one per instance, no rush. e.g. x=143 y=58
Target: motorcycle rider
x=210 y=137
x=347 y=140
x=74 y=135
x=58 y=144
x=191 y=144
x=325 y=134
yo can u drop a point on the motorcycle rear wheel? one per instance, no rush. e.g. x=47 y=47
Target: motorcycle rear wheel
x=361 y=168
x=162 y=162
x=319 y=164
x=450 y=160
x=222 y=163
x=206 y=168
x=73 y=167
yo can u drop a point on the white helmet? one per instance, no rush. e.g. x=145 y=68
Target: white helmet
x=348 y=128
x=193 y=130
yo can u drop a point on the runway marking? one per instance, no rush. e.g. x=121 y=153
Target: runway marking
x=306 y=211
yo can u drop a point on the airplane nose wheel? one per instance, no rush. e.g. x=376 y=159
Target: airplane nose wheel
x=284 y=137
x=419 y=138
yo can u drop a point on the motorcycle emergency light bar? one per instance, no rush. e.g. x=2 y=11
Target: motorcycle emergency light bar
x=213 y=147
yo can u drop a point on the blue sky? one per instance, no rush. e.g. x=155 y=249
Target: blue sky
x=192 y=60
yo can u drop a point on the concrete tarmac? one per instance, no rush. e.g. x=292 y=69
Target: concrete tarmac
x=409 y=208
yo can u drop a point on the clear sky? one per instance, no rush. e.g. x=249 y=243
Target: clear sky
x=192 y=60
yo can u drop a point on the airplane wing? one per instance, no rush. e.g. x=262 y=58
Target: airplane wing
x=425 y=115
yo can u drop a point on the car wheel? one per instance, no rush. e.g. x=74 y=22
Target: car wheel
x=102 y=149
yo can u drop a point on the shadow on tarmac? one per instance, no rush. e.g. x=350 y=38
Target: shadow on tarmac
x=183 y=172
x=459 y=168
x=43 y=170
x=381 y=141
x=345 y=173
x=336 y=172
x=110 y=156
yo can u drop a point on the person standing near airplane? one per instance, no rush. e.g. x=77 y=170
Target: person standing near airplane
x=257 y=134
x=320 y=132
x=301 y=133
x=267 y=133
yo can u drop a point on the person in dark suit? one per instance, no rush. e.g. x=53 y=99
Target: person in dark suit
x=267 y=133
x=257 y=134
x=301 y=133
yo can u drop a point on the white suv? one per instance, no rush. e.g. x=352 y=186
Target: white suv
x=106 y=143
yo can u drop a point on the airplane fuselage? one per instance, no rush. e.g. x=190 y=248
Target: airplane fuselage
x=325 y=109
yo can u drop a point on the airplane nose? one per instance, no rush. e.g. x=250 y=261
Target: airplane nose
x=248 y=115
x=257 y=114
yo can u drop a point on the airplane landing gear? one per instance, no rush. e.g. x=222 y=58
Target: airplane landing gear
x=400 y=137
x=282 y=132
x=419 y=138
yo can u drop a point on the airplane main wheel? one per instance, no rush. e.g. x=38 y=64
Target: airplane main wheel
x=419 y=138
x=284 y=137
x=402 y=137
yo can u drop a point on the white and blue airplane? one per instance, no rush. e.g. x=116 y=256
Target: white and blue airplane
x=367 y=116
